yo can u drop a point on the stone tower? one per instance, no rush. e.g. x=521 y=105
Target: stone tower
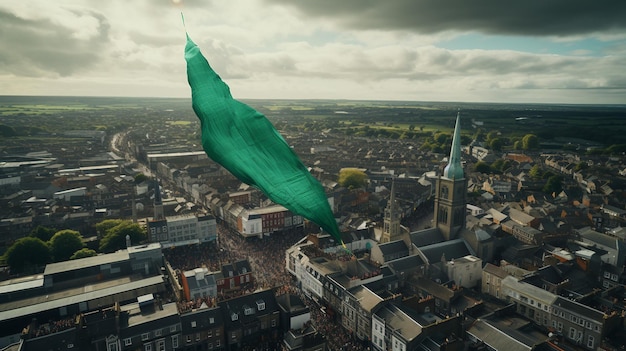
x=451 y=191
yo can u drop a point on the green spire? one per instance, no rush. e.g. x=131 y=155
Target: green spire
x=454 y=169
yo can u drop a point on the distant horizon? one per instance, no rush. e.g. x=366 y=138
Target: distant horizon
x=322 y=99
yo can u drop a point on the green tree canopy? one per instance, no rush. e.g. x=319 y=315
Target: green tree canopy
x=104 y=226
x=115 y=237
x=140 y=177
x=26 y=254
x=530 y=142
x=501 y=165
x=43 y=233
x=352 y=178
x=64 y=243
x=482 y=167
x=82 y=253
x=553 y=185
x=535 y=172
x=496 y=144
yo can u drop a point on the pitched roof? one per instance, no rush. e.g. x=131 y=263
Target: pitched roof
x=452 y=249
x=426 y=237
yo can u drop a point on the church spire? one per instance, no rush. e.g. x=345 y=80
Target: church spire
x=454 y=169
x=158 y=202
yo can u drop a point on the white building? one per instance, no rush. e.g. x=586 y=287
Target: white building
x=190 y=229
x=465 y=271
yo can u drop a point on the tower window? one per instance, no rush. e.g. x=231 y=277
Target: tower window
x=444 y=192
x=443 y=215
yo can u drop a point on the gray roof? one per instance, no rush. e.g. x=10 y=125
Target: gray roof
x=495 y=270
x=399 y=320
x=74 y=296
x=496 y=338
x=452 y=249
x=406 y=263
x=367 y=299
x=81 y=263
x=579 y=308
x=393 y=247
x=426 y=237
x=590 y=235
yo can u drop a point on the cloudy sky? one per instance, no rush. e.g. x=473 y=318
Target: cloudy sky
x=545 y=51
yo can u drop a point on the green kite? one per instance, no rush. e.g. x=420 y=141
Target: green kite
x=245 y=142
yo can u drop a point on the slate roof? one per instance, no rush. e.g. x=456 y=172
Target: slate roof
x=205 y=319
x=397 y=318
x=252 y=302
x=579 y=308
x=393 y=247
x=495 y=270
x=496 y=338
x=406 y=263
x=426 y=237
x=452 y=249
x=237 y=268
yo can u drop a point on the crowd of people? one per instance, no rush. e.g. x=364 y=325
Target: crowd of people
x=267 y=260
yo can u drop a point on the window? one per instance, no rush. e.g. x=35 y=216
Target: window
x=173 y=328
x=193 y=324
x=145 y=336
x=128 y=342
x=112 y=346
x=273 y=322
x=590 y=342
x=211 y=320
x=175 y=341
x=260 y=305
x=160 y=345
x=247 y=310
x=147 y=347
x=572 y=333
x=197 y=336
x=188 y=338
x=210 y=333
x=157 y=332
x=217 y=343
x=234 y=316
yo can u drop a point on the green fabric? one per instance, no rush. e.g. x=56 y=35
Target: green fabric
x=244 y=142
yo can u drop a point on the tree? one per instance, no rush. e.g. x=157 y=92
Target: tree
x=43 y=233
x=553 y=185
x=352 y=178
x=530 y=142
x=140 y=177
x=115 y=237
x=501 y=165
x=82 y=253
x=26 y=254
x=64 y=243
x=482 y=167
x=535 y=172
x=496 y=144
x=492 y=135
x=104 y=226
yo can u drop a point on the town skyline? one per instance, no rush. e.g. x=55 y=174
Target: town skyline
x=273 y=49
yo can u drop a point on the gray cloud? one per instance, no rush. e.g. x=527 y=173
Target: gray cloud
x=528 y=18
x=43 y=47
